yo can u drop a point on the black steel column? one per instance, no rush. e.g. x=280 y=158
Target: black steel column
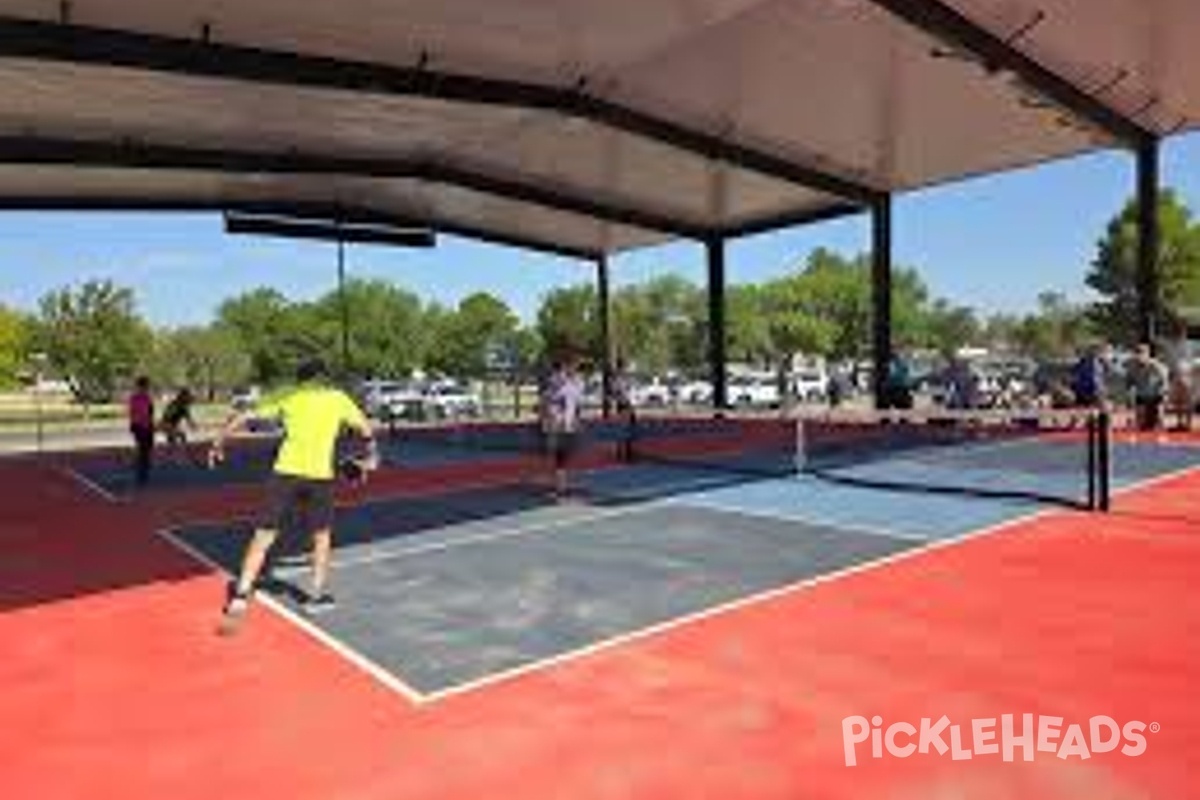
x=716 y=320
x=604 y=314
x=1148 y=285
x=881 y=293
x=345 y=308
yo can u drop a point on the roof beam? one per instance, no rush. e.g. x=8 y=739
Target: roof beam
x=129 y=155
x=789 y=219
x=186 y=205
x=946 y=23
x=78 y=44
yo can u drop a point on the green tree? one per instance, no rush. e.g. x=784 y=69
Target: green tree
x=950 y=327
x=661 y=324
x=387 y=335
x=276 y=334
x=208 y=360
x=14 y=336
x=479 y=326
x=838 y=292
x=747 y=331
x=567 y=319
x=93 y=337
x=1114 y=270
x=1057 y=330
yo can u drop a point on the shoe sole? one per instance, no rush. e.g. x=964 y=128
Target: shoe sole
x=230 y=624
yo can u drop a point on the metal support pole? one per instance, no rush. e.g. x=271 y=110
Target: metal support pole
x=604 y=315
x=716 y=321
x=1148 y=283
x=345 y=308
x=39 y=373
x=881 y=294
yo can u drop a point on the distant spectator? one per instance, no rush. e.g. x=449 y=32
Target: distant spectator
x=897 y=383
x=1090 y=378
x=561 y=419
x=1147 y=380
x=839 y=388
x=964 y=385
x=623 y=409
x=1180 y=378
x=140 y=409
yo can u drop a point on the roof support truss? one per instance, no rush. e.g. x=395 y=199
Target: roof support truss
x=78 y=44
x=946 y=23
x=81 y=153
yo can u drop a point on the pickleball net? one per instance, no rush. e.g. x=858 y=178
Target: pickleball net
x=1048 y=456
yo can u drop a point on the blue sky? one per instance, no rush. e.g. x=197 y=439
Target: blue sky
x=992 y=243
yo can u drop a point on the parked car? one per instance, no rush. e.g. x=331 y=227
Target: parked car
x=446 y=399
x=655 y=394
x=245 y=398
x=810 y=385
x=761 y=391
x=396 y=400
x=695 y=393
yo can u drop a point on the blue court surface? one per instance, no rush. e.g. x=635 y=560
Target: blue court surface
x=448 y=590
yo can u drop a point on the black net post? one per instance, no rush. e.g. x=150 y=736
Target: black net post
x=1104 y=459
x=881 y=297
x=1093 y=443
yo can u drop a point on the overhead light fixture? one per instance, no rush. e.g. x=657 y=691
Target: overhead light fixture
x=329 y=230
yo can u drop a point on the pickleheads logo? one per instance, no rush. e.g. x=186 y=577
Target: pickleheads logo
x=983 y=737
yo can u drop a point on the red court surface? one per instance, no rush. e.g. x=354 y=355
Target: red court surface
x=116 y=687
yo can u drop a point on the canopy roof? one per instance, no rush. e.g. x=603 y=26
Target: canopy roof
x=576 y=126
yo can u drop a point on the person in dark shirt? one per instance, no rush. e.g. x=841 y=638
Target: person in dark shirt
x=897 y=384
x=176 y=416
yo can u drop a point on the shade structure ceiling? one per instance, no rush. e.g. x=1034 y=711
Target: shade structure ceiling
x=579 y=126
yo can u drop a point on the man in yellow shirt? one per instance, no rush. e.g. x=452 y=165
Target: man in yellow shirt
x=301 y=491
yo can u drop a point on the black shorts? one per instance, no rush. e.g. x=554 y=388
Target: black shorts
x=561 y=446
x=1149 y=412
x=298 y=505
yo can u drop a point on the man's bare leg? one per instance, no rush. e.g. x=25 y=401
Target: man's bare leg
x=322 y=549
x=320 y=599
x=252 y=563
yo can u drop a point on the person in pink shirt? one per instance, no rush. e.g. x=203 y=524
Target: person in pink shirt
x=141 y=425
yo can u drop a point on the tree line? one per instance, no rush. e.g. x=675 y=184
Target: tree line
x=94 y=335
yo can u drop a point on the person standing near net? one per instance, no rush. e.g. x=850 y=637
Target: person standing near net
x=897 y=383
x=140 y=410
x=1090 y=378
x=1146 y=378
x=1179 y=377
x=561 y=405
x=301 y=488
x=626 y=413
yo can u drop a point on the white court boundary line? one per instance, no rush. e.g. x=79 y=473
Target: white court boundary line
x=704 y=505
x=90 y=485
x=721 y=609
x=388 y=678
